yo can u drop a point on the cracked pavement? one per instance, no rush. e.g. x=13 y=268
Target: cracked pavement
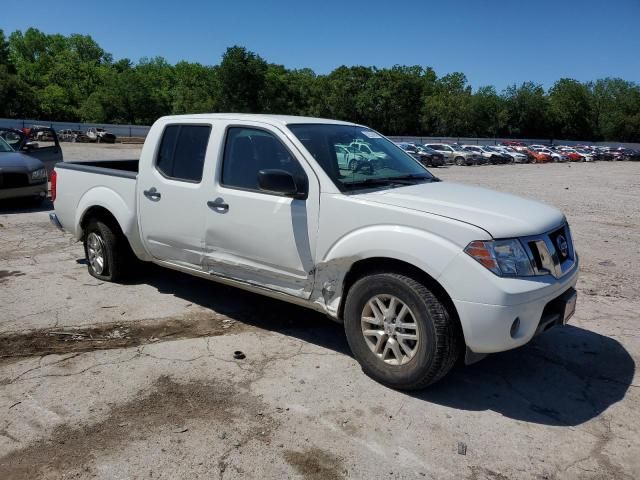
x=138 y=380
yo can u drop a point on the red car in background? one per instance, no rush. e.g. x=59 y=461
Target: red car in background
x=538 y=157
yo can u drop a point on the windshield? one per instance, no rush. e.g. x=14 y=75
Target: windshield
x=4 y=146
x=12 y=137
x=374 y=162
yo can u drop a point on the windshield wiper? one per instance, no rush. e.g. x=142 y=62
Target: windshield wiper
x=387 y=181
x=369 y=182
x=412 y=177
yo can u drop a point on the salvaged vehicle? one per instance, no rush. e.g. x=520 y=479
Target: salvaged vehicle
x=21 y=175
x=555 y=156
x=100 y=135
x=516 y=157
x=572 y=154
x=517 y=146
x=491 y=156
x=68 y=135
x=538 y=157
x=425 y=155
x=429 y=157
x=456 y=154
x=349 y=158
x=419 y=271
x=46 y=149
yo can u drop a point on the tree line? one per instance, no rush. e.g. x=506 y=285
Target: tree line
x=71 y=78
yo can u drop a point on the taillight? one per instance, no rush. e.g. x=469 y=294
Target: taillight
x=54 y=184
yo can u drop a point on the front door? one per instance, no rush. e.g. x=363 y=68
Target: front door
x=256 y=237
x=172 y=195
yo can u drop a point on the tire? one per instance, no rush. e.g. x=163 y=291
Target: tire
x=460 y=161
x=114 y=250
x=438 y=342
x=353 y=164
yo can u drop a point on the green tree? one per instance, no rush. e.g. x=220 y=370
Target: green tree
x=570 y=110
x=241 y=80
x=194 y=89
x=526 y=109
x=4 y=50
x=447 y=110
x=488 y=113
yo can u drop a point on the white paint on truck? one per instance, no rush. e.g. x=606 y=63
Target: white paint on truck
x=301 y=245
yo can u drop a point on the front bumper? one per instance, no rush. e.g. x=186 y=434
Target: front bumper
x=39 y=190
x=487 y=327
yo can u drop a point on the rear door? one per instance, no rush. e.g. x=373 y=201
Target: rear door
x=172 y=194
x=257 y=237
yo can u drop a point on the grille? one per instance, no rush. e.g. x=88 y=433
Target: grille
x=552 y=252
x=13 y=180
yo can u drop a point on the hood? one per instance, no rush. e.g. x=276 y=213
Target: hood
x=18 y=160
x=501 y=214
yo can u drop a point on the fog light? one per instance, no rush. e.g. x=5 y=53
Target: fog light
x=515 y=326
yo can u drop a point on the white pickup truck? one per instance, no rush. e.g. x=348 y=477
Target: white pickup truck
x=420 y=271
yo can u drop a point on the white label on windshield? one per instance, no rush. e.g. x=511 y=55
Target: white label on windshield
x=370 y=134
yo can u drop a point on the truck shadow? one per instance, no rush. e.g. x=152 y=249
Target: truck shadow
x=565 y=377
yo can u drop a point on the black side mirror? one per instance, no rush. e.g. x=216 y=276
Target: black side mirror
x=280 y=182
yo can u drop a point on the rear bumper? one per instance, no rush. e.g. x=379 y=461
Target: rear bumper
x=53 y=218
x=39 y=190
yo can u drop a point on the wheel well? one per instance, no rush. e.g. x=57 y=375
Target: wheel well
x=373 y=265
x=100 y=213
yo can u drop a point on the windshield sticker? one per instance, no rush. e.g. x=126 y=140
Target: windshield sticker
x=370 y=134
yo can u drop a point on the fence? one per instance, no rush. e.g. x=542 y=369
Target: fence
x=117 y=130
x=141 y=131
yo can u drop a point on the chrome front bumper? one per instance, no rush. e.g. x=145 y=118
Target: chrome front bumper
x=53 y=218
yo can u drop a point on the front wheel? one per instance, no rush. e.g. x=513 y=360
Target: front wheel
x=460 y=161
x=399 y=331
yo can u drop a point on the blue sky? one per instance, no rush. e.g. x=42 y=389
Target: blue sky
x=493 y=42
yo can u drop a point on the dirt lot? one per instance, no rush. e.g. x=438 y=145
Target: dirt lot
x=139 y=380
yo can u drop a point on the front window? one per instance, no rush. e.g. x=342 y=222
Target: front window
x=379 y=162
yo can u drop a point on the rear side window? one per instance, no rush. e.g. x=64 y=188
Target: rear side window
x=182 y=152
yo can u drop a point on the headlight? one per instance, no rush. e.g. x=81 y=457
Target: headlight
x=503 y=257
x=39 y=174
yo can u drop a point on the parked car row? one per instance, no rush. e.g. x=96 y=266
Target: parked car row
x=92 y=135
x=576 y=153
x=511 y=152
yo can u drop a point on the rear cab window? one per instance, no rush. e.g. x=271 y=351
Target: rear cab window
x=182 y=152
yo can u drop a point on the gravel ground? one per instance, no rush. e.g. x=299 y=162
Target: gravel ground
x=138 y=380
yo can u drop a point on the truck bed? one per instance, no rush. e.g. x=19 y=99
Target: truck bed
x=116 y=168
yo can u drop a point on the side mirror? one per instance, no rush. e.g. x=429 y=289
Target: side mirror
x=280 y=182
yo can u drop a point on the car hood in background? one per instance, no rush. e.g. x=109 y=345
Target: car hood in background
x=16 y=160
x=501 y=214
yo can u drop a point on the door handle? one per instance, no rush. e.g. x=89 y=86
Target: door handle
x=152 y=193
x=218 y=205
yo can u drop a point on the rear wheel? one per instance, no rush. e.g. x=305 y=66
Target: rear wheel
x=353 y=164
x=460 y=161
x=399 y=332
x=106 y=251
